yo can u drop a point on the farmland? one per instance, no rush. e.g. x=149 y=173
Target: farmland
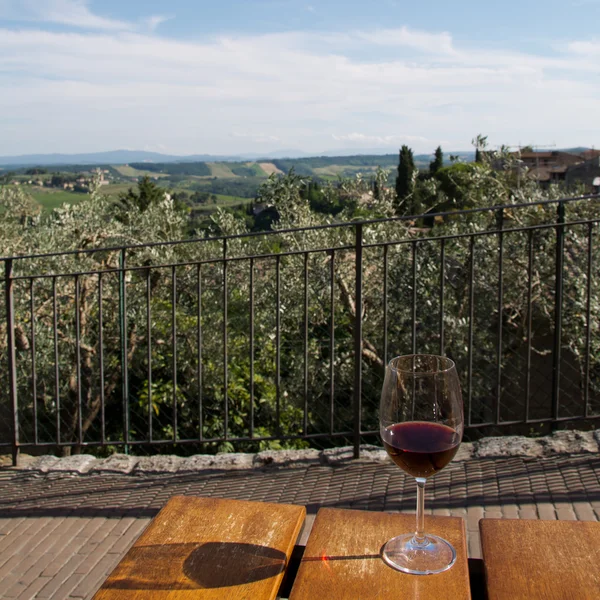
x=226 y=183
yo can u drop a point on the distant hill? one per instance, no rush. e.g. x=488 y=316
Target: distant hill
x=122 y=157
x=115 y=157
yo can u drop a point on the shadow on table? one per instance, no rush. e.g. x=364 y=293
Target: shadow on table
x=191 y=566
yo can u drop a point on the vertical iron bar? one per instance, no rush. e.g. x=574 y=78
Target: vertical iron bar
x=225 y=358
x=529 y=324
x=174 y=335
x=56 y=364
x=305 y=418
x=471 y=318
x=78 y=361
x=500 y=310
x=358 y=342
x=278 y=342
x=252 y=347
x=12 y=357
x=414 y=300
x=558 y=296
x=331 y=341
x=199 y=339
x=442 y=294
x=124 y=360
x=33 y=365
x=385 y=304
x=588 y=321
x=149 y=349
x=101 y=360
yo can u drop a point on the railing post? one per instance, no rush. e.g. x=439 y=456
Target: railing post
x=123 y=334
x=498 y=397
x=358 y=342
x=12 y=358
x=558 y=296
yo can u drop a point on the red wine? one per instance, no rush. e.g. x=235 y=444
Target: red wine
x=420 y=448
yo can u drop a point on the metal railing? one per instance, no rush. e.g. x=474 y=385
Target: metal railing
x=119 y=347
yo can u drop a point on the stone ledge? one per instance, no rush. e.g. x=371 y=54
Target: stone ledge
x=557 y=444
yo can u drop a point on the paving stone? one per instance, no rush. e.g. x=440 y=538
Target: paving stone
x=474 y=514
x=546 y=511
x=584 y=511
x=31 y=591
x=510 y=511
x=566 y=514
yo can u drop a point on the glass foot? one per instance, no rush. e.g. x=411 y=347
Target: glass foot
x=434 y=555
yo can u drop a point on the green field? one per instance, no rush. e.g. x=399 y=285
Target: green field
x=128 y=171
x=113 y=189
x=49 y=200
x=220 y=170
x=223 y=201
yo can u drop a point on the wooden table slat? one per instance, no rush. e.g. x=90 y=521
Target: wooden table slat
x=550 y=560
x=208 y=549
x=342 y=559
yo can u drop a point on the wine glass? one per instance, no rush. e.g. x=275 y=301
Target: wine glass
x=421 y=423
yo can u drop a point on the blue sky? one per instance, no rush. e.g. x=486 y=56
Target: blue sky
x=226 y=77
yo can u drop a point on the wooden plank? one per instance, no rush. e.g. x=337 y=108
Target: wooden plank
x=342 y=559
x=208 y=549
x=553 y=560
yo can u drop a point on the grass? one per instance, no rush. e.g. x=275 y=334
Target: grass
x=223 y=201
x=221 y=170
x=128 y=171
x=113 y=189
x=49 y=200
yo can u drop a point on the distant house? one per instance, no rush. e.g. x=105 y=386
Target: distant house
x=584 y=173
x=589 y=154
x=547 y=167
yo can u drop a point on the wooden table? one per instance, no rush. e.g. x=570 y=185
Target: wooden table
x=342 y=559
x=208 y=549
x=541 y=560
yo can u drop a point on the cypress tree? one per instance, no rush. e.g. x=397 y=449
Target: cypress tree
x=404 y=179
x=438 y=162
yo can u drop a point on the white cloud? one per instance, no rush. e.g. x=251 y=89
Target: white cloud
x=366 y=140
x=118 y=87
x=585 y=48
x=73 y=13
x=154 y=21
x=67 y=12
x=259 y=138
x=411 y=38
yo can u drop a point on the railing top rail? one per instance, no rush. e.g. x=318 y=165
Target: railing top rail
x=299 y=229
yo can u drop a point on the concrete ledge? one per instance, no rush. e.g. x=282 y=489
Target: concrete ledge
x=557 y=444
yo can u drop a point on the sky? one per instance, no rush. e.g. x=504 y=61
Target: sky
x=257 y=76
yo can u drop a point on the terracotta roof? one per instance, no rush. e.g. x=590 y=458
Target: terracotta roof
x=587 y=154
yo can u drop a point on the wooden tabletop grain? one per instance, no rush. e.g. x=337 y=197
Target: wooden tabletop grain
x=208 y=549
x=549 y=560
x=342 y=560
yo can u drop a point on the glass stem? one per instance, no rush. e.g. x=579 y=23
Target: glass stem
x=420 y=539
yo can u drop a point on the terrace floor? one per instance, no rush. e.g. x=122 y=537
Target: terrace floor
x=60 y=535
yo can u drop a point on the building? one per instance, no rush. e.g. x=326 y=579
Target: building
x=584 y=173
x=588 y=154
